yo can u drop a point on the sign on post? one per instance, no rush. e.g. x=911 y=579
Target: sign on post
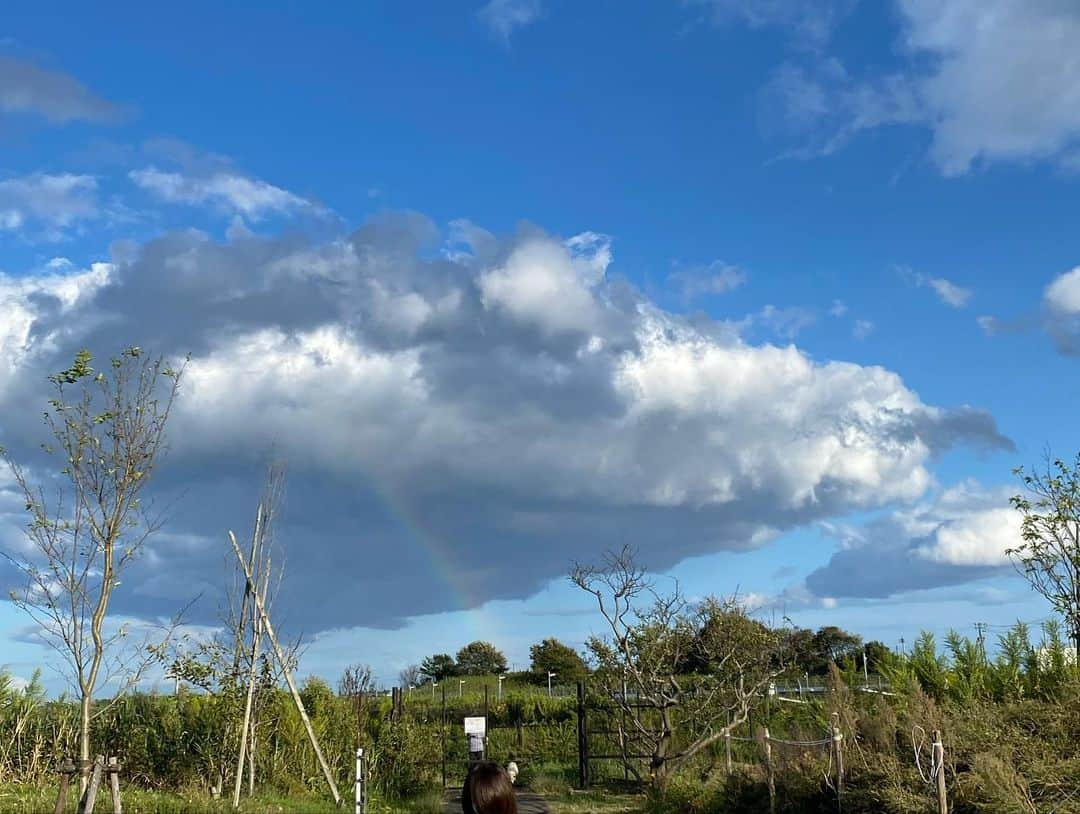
x=475 y=732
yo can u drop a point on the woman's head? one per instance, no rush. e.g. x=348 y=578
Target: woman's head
x=488 y=790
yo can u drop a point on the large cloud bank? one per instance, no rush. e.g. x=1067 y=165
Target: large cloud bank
x=463 y=414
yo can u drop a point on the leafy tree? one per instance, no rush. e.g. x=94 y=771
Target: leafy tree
x=552 y=656
x=480 y=658
x=108 y=434
x=833 y=645
x=812 y=651
x=878 y=655
x=1049 y=554
x=970 y=670
x=930 y=668
x=799 y=643
x=439 y=666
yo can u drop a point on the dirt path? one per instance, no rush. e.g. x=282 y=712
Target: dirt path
x=528 y=803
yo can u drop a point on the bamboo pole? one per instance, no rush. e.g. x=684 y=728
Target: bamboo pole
x=257 y=631
x=255 y=638
x=288 y=673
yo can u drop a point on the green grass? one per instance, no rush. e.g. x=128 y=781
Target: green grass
x=24 y=799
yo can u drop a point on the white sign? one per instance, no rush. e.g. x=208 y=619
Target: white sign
x=476 y=726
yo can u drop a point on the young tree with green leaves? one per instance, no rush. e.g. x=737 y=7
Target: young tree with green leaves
x=1049 y=551
x=438 y=667
x=552 y=656
x=108 y=435
x=480 y=659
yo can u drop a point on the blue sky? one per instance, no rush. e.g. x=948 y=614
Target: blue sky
x=778 y=292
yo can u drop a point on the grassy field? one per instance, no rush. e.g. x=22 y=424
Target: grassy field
x=21 y=799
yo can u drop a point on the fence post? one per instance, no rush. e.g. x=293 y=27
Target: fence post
x=770 y=777
x=114 y=784
x=939 y=762
x=442 y=735
x=838 y=756
x=361 y=782
x=583 y=738
x=727 y=745
x=67 y=771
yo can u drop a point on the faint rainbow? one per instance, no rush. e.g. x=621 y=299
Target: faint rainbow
x=439 y=557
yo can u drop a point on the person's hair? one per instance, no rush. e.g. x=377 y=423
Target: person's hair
x=488 y=790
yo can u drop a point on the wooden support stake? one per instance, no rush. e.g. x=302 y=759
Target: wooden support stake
x=288 y=673
x=727 y=745
x=769 y=773
x=255 y=639
x=361 y=782
x=67 y=771
x=939 y=762
x=86 y=805
x=838 y=756
x=114 y=785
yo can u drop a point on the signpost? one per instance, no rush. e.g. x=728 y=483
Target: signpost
x=476 y=733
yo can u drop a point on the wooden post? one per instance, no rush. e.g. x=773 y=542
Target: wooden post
x=86 y=805
x=838 y=756
x=939 y=763
x=770 y=776
x=288 y=673
x=67 y=771
x=361 y=782
x=583 y=738
x=727 y=745
x=442 y=734
x=114 y=785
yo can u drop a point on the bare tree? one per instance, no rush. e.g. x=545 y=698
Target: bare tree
x=679 y=675
x=108 y=428
x=357 y=684
x=410 y=676
x=1049 y=554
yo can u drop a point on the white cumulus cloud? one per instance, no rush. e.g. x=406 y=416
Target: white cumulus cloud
x=992 y=81
x=474 y=422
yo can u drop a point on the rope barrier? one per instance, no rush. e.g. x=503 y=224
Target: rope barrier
x=918 y=747
x=823 y=742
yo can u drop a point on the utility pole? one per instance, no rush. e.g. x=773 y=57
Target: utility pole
x=550 y=676
x=980 y=629
x=501 y=680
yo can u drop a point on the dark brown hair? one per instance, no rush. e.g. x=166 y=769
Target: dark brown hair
x=488 y=790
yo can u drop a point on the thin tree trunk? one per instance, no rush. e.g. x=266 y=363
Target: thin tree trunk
x=84 y=742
